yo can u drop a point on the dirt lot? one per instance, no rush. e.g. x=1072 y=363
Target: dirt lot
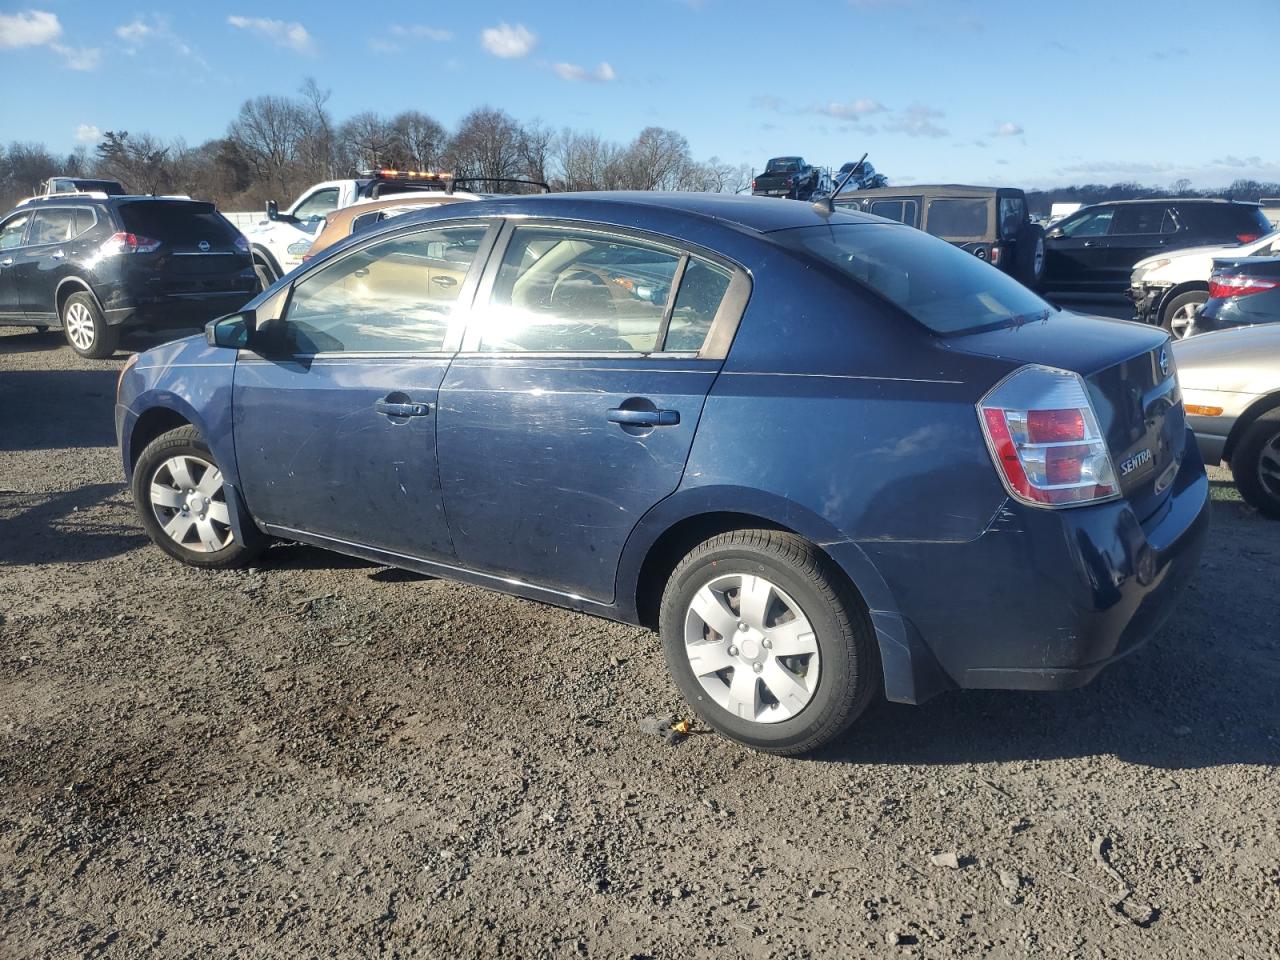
x=319 y=757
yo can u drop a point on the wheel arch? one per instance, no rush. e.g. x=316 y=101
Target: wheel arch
x=1177 y=290
x=151 y=424
x=1247 y=419
x=68 y=286
x=260 y=251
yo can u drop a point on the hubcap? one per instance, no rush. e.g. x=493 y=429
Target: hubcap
x=1037 y=260
x=1269 y=466
x=751 y=648
x=1183 y=319
x=79 y=324
x=188 y=503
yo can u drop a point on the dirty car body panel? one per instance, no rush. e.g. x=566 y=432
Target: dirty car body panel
x=816 y=404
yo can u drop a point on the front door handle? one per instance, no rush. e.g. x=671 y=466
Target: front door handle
x=644 y=418
x=58 y=255
x=444 y=281
x=6 y=262
x=393 y=409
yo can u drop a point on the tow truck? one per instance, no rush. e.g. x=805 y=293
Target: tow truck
x=279 y=242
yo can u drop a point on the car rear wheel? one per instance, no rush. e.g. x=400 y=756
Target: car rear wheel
x=179 y=495
x=1179 y=315
x=767 y=641
x=1255 y=463
x=1031 y=255
x=86 y=329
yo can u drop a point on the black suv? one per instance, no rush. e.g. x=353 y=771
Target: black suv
x=1094 y=250
x=992 y=223
x=91 y=263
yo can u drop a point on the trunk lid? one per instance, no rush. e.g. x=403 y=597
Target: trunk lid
x=197 y=252
x=1129 y=371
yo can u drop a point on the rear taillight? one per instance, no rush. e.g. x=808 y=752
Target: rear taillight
x=1247 y=237
x=241 y=243
x=995 y=254
x=122 y=242
x=753 y=184
x=1224 y=285
x=1044 y=439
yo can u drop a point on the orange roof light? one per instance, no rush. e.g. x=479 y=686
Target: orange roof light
x=412 y=174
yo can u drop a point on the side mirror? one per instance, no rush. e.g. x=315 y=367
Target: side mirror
x=273 y=210
x=232 y=331
x=1054 y=233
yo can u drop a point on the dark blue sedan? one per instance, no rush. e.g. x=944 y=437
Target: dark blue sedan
x=824 y=454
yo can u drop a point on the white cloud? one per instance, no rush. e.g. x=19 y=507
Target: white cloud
x=78 y=58
x=133 y=33
x=31 y=28
x=88 y=133
x=420 y=32
x=572 y=72
x=507 y=41
x=1008 y=129
x=853 y=110
x=917 y=121
x=292 y=35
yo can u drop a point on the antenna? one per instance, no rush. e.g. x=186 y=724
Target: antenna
x=827 y=205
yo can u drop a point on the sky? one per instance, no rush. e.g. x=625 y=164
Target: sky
x=1028 y=93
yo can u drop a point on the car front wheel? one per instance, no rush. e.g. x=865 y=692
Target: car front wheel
x=179 y=495
x=767 y=641
x=1179 y=315
x=86 y=329
x=1255 y=464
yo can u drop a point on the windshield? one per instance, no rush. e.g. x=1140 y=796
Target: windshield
x=949 y=291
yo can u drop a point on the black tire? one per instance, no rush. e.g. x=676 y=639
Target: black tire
x=266 y=274
x=86 y=329
x=1193 y=300
x=848 y=673
x=1258 y=452
x=1029 y=262
x=151 y=469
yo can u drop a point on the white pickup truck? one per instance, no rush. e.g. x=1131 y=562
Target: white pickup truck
x=279 y=241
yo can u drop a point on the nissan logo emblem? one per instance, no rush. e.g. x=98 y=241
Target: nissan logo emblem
x=204 y=248
x=1164 y=362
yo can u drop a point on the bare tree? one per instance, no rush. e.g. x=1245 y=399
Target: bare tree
x=535 y=151
x=421 y=139
x=141 y=161
x=585 y=161
x=369 y=141
x=268 y=132
x=317 y=147
x=488 y=143
x=658 y=160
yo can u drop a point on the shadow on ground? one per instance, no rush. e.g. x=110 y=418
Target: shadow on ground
x=58 y=527
x=55 y=409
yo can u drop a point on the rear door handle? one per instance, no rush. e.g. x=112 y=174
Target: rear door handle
x=6 y=262
x=444 y=281
x=393 y=409
x=58 y=255
x=644 y=418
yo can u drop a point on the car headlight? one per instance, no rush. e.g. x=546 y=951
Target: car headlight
x=1154 y=265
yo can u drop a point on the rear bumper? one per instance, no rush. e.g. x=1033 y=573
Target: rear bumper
x=1045 y=600
x=179 y=310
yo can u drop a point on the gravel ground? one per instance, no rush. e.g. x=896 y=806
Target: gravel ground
x=321 y=757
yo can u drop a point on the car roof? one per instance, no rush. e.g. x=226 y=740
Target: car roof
x=746 y=213
x=1193 y=200
x=932 y=189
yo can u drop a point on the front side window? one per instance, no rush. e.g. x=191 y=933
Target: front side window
x=949 y=291
x=1093 y=223
x=1138 y=218
x=12 y=229
x=953 y=219
x=394 y=296
x=318 y=205
x=562 y=291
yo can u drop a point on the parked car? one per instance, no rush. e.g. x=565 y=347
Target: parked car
x=1231 y=390
x=279 y=241
x=1095 y=249
x=992 y=223
x=91 y=264
x=63 y=185
x=789 y=177
x=824 y=454
x=1243 y=291
x=364 y=214
x=865 y=178
x=1170 y=289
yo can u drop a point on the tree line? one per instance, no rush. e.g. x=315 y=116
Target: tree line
x=276 y=146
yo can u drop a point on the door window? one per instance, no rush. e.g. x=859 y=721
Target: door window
x=904 y=211
x=394 y=296
x=1094 y=223
x=12 y=229
x=561 y=291
x=60 y=224
x=1139 y=218
x=1013 y=213
x=316 y=206
x=951 y=219
x=702 y=288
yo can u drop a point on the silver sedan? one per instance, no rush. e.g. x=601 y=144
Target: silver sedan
x=1231 y=390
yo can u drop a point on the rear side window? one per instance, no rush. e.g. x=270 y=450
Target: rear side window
x=959 y=218
x=60 y=224
x=701 y=290
x=949 y=291
x=904 y=211
x=1140 y=218
x=1226 y=220
x=1013 y=213
x=175 y=221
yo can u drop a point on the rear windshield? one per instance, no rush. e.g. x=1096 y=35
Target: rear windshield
x=782 y=165
x=949 y=291
x=175 y=221
x=1225 y=219
x=952 y=219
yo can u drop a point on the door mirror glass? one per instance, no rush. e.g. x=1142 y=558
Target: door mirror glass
x=1053 y=233
x=273 y=210
x=232 y=331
